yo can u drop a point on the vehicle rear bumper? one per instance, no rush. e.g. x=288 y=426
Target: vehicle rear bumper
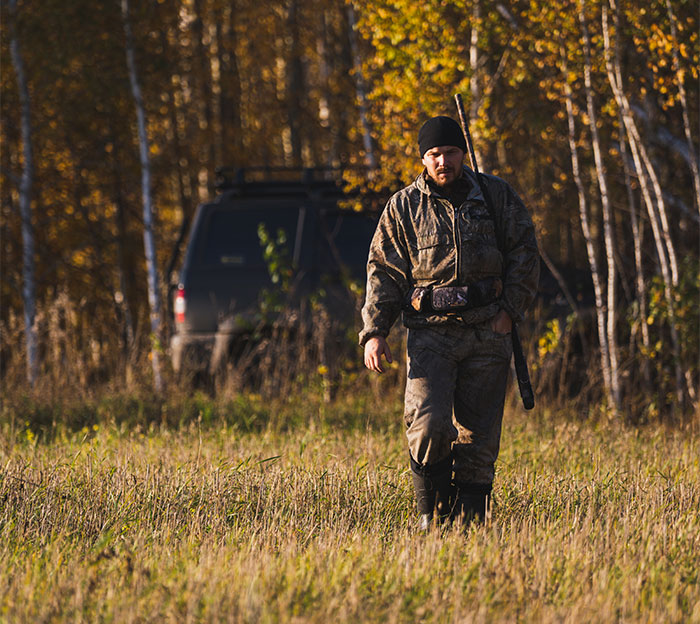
x=191 y=352
x=203 y=351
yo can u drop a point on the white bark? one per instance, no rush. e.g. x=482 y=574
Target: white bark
x=638 y=238
x=657 y=206
x=642 y=163
x=148 y=235
x=607 y=217
x=370 y=157
x=656 y=186
x=588 y=237
x=294 y=82
x=692 y=150
x=474 y=90
x=325 y=96
x=203 y=101
x=25 y=206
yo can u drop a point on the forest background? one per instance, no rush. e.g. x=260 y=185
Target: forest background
x=291 y=500
x=589 y=109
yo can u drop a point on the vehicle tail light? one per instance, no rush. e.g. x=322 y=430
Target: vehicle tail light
x=180 y=305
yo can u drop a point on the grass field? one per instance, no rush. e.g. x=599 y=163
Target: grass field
x=251 y=512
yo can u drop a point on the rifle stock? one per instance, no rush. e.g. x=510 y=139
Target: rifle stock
x=521 y=371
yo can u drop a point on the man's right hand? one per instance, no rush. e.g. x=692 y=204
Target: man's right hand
x=374 y=348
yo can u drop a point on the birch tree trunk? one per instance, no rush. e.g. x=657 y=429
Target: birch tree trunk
x=474 y=89
x=655 y=209
x=588 y=237
x=231 y=135
x=692 y=150
x=370 y=157
x=148 y=235
x=638 y=239
x=607 y=217
x=25 y=204
x=324 y=102
x=613 y=68
x=203 y=79
x=295 y=83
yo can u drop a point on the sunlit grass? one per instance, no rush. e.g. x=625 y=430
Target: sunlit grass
x=312 y=520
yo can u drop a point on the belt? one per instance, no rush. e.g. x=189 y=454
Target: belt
x=442 y=299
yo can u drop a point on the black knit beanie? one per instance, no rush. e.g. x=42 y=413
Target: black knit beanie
x=440 y=131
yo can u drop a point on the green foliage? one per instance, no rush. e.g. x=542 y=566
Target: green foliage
x=686 y=301
x=276 y=256
x=279 y=266
x=550 y=340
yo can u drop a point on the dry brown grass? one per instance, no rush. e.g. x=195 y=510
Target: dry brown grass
x=312 y=521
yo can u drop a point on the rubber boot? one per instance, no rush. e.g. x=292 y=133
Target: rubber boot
x=434 y=491
x=471 y=503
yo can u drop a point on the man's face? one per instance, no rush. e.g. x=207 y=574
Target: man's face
x=444 y=164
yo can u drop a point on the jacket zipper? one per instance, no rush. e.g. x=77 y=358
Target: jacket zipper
x=457 y=241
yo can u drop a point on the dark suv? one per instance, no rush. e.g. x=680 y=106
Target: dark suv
x=217 y=296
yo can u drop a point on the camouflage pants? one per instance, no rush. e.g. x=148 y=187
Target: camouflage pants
x=454 y=397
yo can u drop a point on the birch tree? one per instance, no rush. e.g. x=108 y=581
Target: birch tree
x=371 y=73
x=588 y=236
x=294 y=82
x=148 y=234
x=361 y=92
x=231 y=136
x=680 y=77
x=474 y=88
x=655 y=205
x=638 y=240
x=202 y=77
x=25 y=203
x=611 y=303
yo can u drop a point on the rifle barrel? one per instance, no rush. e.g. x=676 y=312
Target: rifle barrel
x=467 y=134
x=522 y=374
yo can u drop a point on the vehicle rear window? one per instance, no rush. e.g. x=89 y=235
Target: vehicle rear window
x=231 y=236
x=346 y=237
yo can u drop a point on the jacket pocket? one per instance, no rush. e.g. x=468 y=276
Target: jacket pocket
x=480 y=254
x=480 y=231
x=428 y=241
x=432 y=255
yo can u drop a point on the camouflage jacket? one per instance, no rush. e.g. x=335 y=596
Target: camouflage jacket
x=422 y=240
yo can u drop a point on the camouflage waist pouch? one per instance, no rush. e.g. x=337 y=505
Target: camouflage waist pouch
x=455 y=298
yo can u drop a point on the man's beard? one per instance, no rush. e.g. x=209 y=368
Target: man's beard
x=447 y=181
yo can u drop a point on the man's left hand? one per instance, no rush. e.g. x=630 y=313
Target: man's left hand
x=502 y=323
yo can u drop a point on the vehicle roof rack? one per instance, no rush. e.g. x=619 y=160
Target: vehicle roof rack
x=314 y=182
x=275 y=180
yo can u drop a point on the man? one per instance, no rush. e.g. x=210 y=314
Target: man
x=461 y=275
